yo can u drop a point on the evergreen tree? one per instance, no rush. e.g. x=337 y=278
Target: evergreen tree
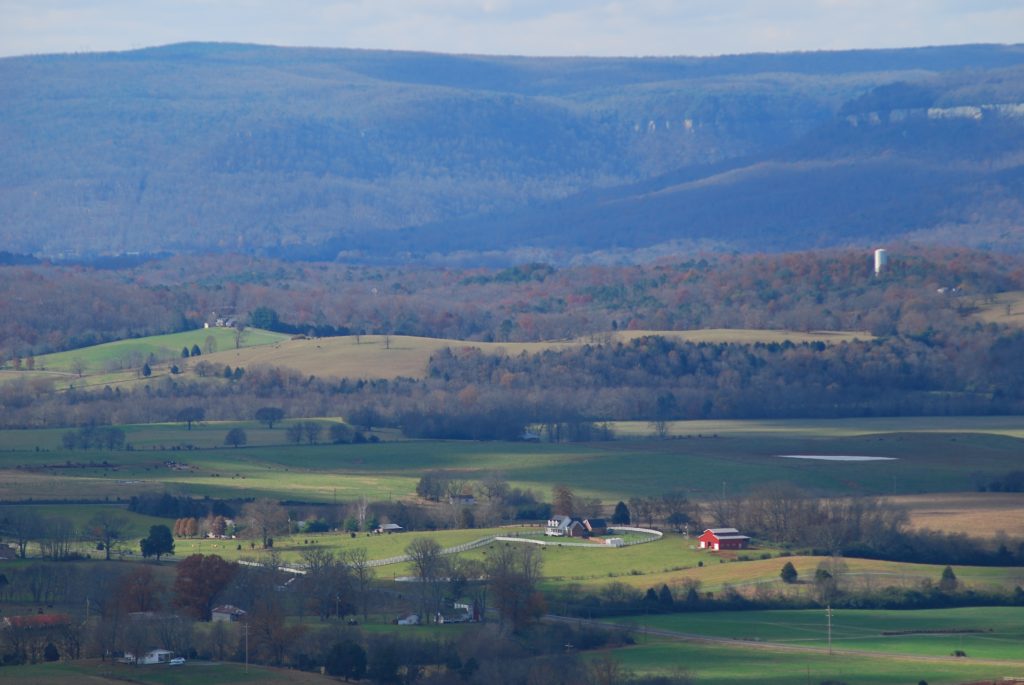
x=620 y=516
x=665 y=598
x=264 y=317
x=189 y=415
x=788 y=573
x=269 y=415
x=196 y=351
x=346 y=660
x=235 y=437
x=948 y=582
x=159 y=542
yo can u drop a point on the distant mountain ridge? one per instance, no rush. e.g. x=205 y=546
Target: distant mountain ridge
x=312 y=153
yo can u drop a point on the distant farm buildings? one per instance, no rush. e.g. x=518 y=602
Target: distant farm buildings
x=227 y=613
x=153 y=656
x=568 y=527
x=722 y=538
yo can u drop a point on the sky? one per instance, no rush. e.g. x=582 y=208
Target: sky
x=520 y=27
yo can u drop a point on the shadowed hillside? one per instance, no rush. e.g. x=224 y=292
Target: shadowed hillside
x=308 y=153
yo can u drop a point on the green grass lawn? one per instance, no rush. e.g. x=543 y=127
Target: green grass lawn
x=289 y=547
x=1000 y=629
x=734 y=665
x=602 y=565
x=79 y=514
x=100 y=358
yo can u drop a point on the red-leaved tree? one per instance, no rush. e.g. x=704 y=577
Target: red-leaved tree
x=200 y=579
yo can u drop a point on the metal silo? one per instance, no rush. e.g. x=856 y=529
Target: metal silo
x=881 y=259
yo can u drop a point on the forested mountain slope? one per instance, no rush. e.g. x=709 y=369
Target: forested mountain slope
x=312 y=153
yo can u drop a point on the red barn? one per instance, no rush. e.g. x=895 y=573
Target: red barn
x=723 y=538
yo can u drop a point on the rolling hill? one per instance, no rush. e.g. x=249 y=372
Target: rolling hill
x=396 y=356
x=374 y=155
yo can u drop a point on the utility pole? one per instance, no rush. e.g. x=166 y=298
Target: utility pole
x=245 y=631
x=828 y=612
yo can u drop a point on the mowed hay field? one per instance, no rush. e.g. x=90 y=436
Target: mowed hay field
x=741 y=456
x=979 y=514
x=1006 y=308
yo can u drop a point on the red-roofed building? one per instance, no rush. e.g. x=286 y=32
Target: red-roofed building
x=37 y=621
x=29 y=637
x=722 y=538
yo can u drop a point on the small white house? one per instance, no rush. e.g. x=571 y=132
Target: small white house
x=153 y=656
x=410 y=620
x=560 y=526
x=227 y=613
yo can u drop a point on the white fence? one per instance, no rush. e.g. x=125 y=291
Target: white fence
x=480 y=542
x=457 y=549
x=656 y=534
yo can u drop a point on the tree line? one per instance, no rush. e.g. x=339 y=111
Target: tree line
x=490 y=396
x=822 y=290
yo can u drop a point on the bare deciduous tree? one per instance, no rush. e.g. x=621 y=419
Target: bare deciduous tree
x=429 y=566
x=265 y=518
x=108 y=528
x=358 y=562
x=514 y=572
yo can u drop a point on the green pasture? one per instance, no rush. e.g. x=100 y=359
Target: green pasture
x=289 y=548
x=602 y=565
x=1012 y=426
x=80 y=514
x=191 y=673
x=99 y=358
x=996 y=632
x=865 y=575
x=927 y=459
x=736 y=665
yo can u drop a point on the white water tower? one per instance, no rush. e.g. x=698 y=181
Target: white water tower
x=881 y=259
